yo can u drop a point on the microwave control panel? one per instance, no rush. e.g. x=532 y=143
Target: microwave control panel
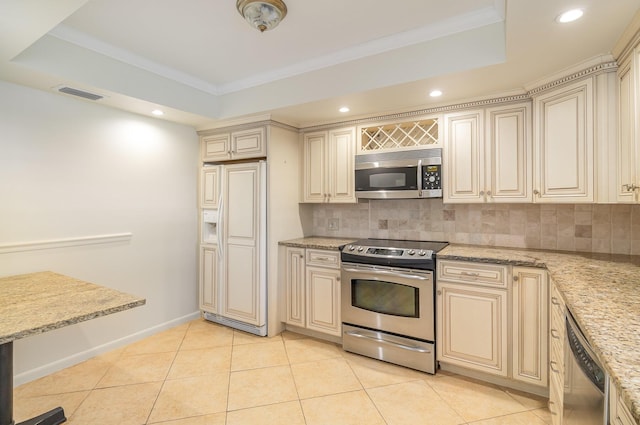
x=431 y=177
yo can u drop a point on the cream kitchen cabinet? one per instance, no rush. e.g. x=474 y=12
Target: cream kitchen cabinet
x=312 y=286
x=564 y=144
x=530 y=323
x=628 y=149
x=208 y=279
x=556 y=355
x=619 y=413
x=240 y=144
x=328 y=165
x=488 y=155
x=471 y=324
x=209 y=187
x=492 y=318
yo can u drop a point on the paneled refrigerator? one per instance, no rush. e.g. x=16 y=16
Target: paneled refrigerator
x=233 y=286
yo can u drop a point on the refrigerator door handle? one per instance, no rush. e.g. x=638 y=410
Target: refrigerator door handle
x=219 y=226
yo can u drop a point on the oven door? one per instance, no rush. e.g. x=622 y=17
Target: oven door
x=398 y=301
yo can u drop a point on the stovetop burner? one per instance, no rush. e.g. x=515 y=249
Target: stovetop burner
x=394 y=253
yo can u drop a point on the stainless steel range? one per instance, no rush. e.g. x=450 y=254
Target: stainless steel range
x=388 y=297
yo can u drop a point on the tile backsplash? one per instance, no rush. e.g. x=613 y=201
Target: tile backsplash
x=606 y=228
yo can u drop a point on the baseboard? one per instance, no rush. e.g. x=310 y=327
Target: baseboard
x=39 y=372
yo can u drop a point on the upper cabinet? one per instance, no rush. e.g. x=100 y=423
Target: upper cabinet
x=488 y=155
x=328 y=164
x=240 y=144
x=628 y=149
x=564 y=144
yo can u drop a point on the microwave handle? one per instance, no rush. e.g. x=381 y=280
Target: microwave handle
x=419 y=171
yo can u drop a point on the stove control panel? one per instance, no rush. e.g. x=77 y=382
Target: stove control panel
x=370 y=251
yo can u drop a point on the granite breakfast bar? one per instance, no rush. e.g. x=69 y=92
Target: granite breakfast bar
x=39 y=302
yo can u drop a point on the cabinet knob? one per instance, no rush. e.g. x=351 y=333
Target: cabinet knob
x=439 y=292
x=536 y=192
x=488 y=193
x=630 y=187
x=482 y=193
x=516 y=278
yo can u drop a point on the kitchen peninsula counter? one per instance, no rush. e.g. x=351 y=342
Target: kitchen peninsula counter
x=603 y=293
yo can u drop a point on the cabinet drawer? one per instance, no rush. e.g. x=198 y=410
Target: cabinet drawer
x=494 y=275
x=322 y=258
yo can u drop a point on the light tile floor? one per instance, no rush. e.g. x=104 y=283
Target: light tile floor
x=201 y=373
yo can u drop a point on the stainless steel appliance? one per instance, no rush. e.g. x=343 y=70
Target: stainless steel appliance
x=401 y=174
x=586 y=382
x=388 y=300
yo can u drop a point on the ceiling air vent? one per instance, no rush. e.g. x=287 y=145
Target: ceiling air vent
x=80 y=93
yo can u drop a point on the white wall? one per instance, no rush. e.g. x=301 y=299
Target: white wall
x=70 y=168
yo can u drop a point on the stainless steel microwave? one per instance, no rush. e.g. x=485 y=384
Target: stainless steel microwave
x=399 y=175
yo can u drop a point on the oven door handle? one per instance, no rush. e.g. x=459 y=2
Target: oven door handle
x=386 y=272
x=384 y=341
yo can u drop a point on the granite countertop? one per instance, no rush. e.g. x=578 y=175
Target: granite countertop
x=318 y=242
x=39 y=302
x=603 y=293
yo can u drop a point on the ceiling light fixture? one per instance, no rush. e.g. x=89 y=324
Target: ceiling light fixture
x=157 y=112
x=570 y=16
x=344 y=109
x=264 y=14
x=435 y=93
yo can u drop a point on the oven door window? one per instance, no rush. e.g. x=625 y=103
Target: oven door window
x=397 y=178
x=385 y=297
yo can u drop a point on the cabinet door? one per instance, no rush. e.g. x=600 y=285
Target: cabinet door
x=341 y=146
x=530 y=325
x=216 y=147
x=315 y=167
x=619 y=413
x=472 y=327
x=323 y=300
x=508 y=154
x=464 y=157
x=210 y=187
x=564 y=144
x=208 y=279
x=248 y=143
x=295 y=287
x=627 y=155
x=241 y=289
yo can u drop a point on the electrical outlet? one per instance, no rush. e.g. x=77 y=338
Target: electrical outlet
x=333 y=224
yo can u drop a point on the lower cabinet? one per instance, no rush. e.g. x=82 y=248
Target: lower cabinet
x=556 y=356
x=312 y=287
x=492 y=318
x=619 y=413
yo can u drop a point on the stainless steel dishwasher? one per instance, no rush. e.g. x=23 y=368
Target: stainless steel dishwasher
x=586 y=382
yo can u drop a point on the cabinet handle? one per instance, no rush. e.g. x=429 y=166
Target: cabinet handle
x=551 y=363
x=554 y=301
x=516 y=278
x=554 y=333
x=536 y=192
x=630 y=187
x=439 y=292
x=470 y=274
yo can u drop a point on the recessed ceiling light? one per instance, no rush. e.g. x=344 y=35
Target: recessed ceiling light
x=435 y=93
x=570 y=16
x=344 y=109
x=157 y=112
